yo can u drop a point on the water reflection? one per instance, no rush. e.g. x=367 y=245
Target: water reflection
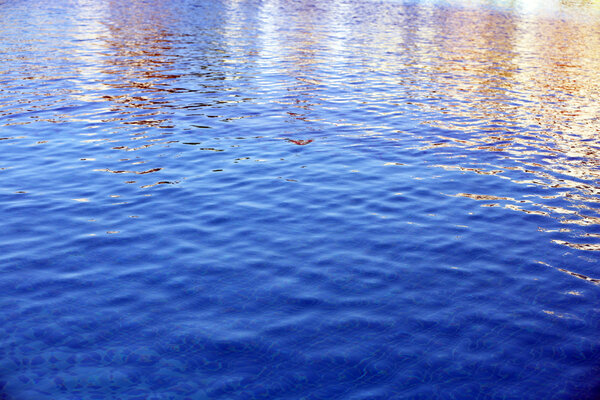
x=298 y=46
x=522 y=87
x=139 y=63
x=491 y=77
x=470 y=69
x=368 y=187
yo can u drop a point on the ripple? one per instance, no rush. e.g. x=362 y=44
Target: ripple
x=299 y=199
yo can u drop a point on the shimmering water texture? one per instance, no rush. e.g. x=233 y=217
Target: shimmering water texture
x=299 y=199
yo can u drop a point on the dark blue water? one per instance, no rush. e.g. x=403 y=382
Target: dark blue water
x=240 y=199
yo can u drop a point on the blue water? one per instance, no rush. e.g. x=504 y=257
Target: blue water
x=278 y=199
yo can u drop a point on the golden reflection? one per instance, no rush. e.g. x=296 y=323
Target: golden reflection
x=139 y=60
x=498 y=69
x=520 y=84
x=159 y=183
x=483 y=197
x=580 y=276
x=129 y=172
x=516 y=84
x=126 y=61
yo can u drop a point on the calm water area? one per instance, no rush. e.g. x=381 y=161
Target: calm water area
x=299 y=199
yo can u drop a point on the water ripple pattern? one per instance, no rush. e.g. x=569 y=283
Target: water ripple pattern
x=277 y=199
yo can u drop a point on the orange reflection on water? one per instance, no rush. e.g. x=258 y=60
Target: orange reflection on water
x=500 y=71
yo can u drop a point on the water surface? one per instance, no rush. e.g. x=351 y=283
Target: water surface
x=237 y=199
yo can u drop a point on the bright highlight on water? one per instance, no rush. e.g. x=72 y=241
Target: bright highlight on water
x=277 y=199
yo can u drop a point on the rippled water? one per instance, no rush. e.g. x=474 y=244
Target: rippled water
x=236 y=199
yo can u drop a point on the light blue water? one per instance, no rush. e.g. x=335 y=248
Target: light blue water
x=231 y=199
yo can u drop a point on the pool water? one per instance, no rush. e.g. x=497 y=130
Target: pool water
x=278 y=199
